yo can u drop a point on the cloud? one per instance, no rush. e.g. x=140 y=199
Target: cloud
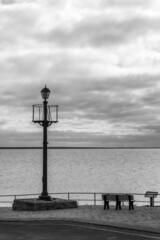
x=101 y=32
x=103 y=28
x=5 y=2
x=100 y=60
x=125 y=3
x=8 y=2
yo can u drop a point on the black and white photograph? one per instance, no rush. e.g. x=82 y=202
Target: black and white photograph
x=79 y=119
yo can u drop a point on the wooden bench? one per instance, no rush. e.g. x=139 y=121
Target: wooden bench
x=118 y=198
x=151 y=195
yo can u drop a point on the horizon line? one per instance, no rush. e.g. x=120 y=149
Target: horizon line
x=61 y=147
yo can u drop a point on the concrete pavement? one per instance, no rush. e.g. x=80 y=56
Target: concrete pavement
x=142 y=218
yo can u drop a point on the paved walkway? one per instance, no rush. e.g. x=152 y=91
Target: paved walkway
x=142 y=218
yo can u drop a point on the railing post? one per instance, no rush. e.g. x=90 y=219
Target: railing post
x=68 y=196
x=94 y=199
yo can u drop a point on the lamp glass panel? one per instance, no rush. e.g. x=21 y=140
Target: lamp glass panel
x=45 y=94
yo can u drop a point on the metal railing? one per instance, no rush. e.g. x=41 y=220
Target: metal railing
x=83 y=198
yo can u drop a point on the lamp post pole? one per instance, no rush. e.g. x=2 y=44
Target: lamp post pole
x=44 y=194
x=45 y=120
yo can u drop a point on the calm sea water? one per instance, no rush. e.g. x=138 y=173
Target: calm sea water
x=102 y=170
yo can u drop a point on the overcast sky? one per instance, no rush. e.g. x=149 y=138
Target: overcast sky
x=99 y=58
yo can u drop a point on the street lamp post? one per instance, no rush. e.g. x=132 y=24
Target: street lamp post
x=44 y=118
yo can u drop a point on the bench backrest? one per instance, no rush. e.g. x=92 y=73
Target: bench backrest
x=114 y=197
x=125 y=197
x=109 y=197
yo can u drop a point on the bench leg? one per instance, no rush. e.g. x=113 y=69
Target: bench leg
x=131 y=201
x=131 y=206
x=118 y=205
x=106 y=203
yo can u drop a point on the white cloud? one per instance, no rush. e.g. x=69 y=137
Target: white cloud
x=99 y=58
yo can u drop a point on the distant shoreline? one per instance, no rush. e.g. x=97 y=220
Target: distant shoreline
x=80 y=148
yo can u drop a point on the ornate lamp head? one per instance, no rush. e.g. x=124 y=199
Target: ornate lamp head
x=45 y=92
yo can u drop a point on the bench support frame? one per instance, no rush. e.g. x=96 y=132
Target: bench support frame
x=118 y=202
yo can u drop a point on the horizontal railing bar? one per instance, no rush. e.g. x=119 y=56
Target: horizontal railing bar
x=69 y=195
x=98 y=200
x=77 y=193
x=16 y=195
x=34 y=194
x=8 y=195
x=31 y=194
x=99 y=193
x=90 y=200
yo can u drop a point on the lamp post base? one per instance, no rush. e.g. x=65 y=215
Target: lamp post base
x=45 y=198
x=34 y=204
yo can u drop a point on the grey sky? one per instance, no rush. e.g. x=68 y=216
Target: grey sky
x=100 y=60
